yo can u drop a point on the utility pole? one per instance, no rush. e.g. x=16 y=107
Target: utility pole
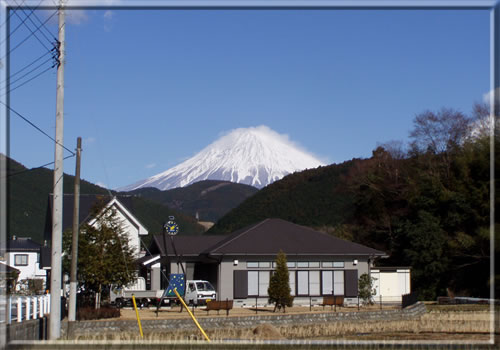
x=56 y=250
x=73 y=281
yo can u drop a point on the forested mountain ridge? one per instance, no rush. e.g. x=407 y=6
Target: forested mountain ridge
x=27 y=200
x=209 y=199
x=427 y=206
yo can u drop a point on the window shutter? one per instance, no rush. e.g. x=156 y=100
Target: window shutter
x=240 y=284
x=351 y=283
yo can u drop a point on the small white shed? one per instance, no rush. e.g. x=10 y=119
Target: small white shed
x=391 y=283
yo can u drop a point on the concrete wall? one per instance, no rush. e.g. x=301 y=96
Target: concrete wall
x=92 y=327
x=26 y=330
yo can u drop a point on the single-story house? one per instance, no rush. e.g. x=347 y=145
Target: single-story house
x=23 y=254
x=239 y=265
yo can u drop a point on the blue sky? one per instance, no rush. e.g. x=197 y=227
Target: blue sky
x=147 y=89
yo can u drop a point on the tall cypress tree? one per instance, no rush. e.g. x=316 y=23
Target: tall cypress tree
x=279 y=287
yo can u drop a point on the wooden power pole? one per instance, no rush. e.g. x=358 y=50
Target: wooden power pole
x=57 y=208
x=73 y=281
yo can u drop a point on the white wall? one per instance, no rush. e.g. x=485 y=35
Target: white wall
x=131 y=226
x=391 y=285
x=31 y=271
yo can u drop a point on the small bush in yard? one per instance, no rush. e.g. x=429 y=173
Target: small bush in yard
x=90 y=313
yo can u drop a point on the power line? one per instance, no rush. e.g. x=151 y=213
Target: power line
x=33 y=33
x=18 y=26
x=38 y=167
x=26 y=74
x=43 y=25
x=36 y=127
x=12 y=11
x=25 y=67
x=27 y=81
x=24 y=40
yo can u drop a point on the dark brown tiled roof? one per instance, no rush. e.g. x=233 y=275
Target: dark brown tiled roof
x=21 y=244
x=267 y=237
x=184 y=245
x=270 y=236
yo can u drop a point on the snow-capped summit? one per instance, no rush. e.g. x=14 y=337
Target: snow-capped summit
x=255 y=156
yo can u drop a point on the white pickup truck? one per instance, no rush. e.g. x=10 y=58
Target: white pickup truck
x=198 y=292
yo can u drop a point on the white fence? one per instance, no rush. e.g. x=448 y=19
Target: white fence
x=24 y=308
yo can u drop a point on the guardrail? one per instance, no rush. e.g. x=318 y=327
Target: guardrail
x=23 y=308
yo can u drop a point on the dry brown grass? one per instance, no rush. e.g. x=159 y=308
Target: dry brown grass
x=436 y=324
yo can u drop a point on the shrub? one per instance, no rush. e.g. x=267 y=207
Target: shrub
x=90 y=313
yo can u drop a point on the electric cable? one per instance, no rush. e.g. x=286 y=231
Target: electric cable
x=33 y=22
x=20 y=24
x=28 y=73
x=27 y=81
x=38 y=167
x=36 y=127
x=14 y=30
x=24 y=40
x=33 y=33
x=25 y=67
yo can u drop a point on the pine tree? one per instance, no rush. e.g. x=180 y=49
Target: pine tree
x=279 y=287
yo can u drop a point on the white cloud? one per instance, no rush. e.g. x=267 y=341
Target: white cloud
x=89 y=140
x=487 y=96
x=108 y=14
x=76 y=16
x=151 y=165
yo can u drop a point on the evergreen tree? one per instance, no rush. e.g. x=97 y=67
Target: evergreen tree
x=104 y=255
x=279 y=287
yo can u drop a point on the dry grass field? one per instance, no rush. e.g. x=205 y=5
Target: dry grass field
x=441 y=322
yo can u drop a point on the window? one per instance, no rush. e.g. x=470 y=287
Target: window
x=302 y=264
x=291 y=279
x=327 y=287
x=338 y=264
x=290 y=264
x=252 y=264
x=265 y=264
x=258 y=282
x=326 y=264
x=253 y=283
x=314 y=264
x=302 y=282
x=314 y=282
x=263 y=282
x=21 y=260
x=338 y=282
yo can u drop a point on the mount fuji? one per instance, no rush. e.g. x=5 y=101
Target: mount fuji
x=255 y=156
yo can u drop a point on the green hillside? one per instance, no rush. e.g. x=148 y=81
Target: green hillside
x=209 y=199
x=427 y=207
x=315 y=197
x=28 y=191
